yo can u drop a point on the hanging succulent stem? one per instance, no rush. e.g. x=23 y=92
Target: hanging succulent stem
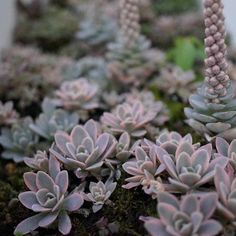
x=129 y=21
x=216 y=75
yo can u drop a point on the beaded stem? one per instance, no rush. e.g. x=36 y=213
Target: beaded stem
x=216 y=74
x=129 y=21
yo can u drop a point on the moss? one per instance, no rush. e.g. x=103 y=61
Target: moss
x=50 y=32
x=174 y=6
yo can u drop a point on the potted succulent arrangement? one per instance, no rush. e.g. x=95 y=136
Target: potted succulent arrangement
x=118 y=136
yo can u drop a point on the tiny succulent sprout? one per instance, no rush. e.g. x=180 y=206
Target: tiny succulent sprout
x=226 y=189
x=129 y=118
x=85 y=149
x=8 y=115
x=38 y=162
x=78 y=94
x=227 y=150
x=123 y=151
x=99 y=194
x=142 y=167
x=107 y=228
x=188 y=169
x=189 y=217
x=52 y=120
x=49 y=198
x=18 y=141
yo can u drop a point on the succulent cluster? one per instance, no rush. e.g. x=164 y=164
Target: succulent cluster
x=48 y=197
x=53 y=120
x=28 y=75
x=213 y=111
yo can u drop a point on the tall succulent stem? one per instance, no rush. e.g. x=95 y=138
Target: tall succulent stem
x=129 y=21
x=216 y=75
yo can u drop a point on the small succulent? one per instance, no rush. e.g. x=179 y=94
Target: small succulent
x=78 y=95
x=53 y=120
x=188 y=217
x=8 y=115
x=188 y=168
x=19 y=141
x=40 y=161
x=92 y=68
x=226 y=189
x=85 y=149
x=173 y=80
x=49 y=198
x=100 y=193
x=141 y=167
x=152 y=186
x=129 y=118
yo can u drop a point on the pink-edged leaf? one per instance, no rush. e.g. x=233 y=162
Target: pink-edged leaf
x=62 y=180
x=30 y=181
x=64 y=223
x=73 y=202
x=28 y=199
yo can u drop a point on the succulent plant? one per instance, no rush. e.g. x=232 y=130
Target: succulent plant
x=213 y=111
x=19 y=141
x=100 y=193
x=173 y=80
x=49 y=198
x=85 y=149
x=97 y=27
x=129 y=118
x=8 y=115
x=78 y=95
x=131 y=59
x=149 y=103
x=188 y=217
x=141 y=167
x=40 y=161
x=92 y=68
x=53 y=120
x=188 y=168
x=226 y=189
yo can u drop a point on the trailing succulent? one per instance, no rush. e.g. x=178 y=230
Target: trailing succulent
x=48 y=197
x=190 y=216
x=85 y=150
x=19 y=140
x=53 y=120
